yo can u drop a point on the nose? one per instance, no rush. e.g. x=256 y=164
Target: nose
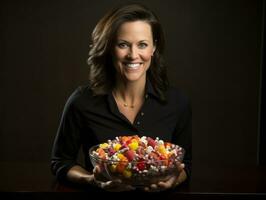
x=133 y=53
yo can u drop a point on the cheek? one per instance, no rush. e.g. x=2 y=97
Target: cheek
x=119 y=55
x=147 y=56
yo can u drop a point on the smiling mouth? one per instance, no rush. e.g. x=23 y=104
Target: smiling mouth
x=132 y=65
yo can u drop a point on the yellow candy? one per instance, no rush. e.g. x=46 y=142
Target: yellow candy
x=127 y=173
x=112 y=168
x=121 y=157
x=161 y=149
x=117 y=147
x=133 y=146
x=103 y=145
x=134 y=140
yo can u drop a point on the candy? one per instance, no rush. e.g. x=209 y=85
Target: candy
x=117 y=146
x=127 y=173
x=151 y=142
x=132 y=155
x=133 y=146
x=104 y=145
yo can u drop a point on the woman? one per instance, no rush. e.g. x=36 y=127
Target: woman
x=128 y=94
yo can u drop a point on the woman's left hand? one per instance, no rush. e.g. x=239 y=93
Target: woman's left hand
x=171 y=182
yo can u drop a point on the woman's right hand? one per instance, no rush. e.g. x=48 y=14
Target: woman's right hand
x=112 y=186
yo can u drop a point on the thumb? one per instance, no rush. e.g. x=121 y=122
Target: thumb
x=97 y=169
x=180 y=167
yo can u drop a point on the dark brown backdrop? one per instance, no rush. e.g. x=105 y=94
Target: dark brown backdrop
x=213 y=54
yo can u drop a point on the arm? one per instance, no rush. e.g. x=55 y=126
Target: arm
x=79 y=175
x=65 y=152
x=182 y=136
x=67 y=141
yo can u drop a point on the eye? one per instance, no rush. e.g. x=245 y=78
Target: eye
x=142 y=45
x=122 y=45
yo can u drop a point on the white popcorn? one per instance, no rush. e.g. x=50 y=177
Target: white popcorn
x=129 y=166
x=163 y=168
x=149 y=149
x=144 y=140
x=161 y=142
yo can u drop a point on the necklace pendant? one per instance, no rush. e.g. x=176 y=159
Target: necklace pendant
x=130 y=106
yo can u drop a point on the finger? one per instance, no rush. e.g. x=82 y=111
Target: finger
x=106 y=185
x=129 y=187
x=111 y=184
x=149 y=189
x=180 y=166
x=98 y=175
x=154 y=186
x=90 y=178
x=96 y=169
x=176 y=183
x=167 y=184
x=146 y=189
x=116 y=186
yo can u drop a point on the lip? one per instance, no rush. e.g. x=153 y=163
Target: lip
x=126 y=63
x=134 y=65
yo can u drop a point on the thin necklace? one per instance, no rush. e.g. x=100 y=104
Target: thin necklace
x=132 y=106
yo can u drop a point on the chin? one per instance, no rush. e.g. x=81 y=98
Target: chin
x=133 y=77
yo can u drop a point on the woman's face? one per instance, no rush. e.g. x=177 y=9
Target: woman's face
x=133 y=50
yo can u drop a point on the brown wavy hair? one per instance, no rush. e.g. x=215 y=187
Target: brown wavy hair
x=102 y=73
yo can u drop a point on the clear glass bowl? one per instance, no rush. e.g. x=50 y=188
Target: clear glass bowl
x=152 y=171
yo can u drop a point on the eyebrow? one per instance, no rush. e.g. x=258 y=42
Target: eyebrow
x=121 y=40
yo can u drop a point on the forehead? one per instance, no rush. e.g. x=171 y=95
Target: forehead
x=135 y=30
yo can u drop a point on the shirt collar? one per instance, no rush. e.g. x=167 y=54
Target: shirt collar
x=149 y=89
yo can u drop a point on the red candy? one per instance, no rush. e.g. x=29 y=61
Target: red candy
x=151 y=142
x=141 y=166
x=130 y=154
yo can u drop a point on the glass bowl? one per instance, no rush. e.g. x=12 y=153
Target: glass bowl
x=138 y=172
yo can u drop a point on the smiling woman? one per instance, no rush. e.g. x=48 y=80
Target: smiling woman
x=132 y=58
x=133 y=51
x=128 y=94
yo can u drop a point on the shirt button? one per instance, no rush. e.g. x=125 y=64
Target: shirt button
x=138 y=123
x=146 y=96
x=142 y=113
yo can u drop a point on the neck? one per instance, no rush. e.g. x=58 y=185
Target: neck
x=130 y=93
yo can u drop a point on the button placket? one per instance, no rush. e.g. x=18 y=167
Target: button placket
x=141 y=113
x=146 y=96
x=139 y=118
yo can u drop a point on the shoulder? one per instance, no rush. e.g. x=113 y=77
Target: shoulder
x=80 y=96
x=178 y=97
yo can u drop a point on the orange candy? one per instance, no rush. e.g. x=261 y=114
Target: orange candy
x=101 y=153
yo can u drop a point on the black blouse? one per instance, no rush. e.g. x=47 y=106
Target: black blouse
x=89 y=120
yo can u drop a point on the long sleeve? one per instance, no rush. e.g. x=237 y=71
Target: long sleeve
x=67 y=141
x=183 y=135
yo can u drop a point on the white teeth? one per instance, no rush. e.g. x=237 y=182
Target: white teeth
x=133 y=65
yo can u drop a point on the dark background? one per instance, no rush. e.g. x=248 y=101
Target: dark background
x=213 y=54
